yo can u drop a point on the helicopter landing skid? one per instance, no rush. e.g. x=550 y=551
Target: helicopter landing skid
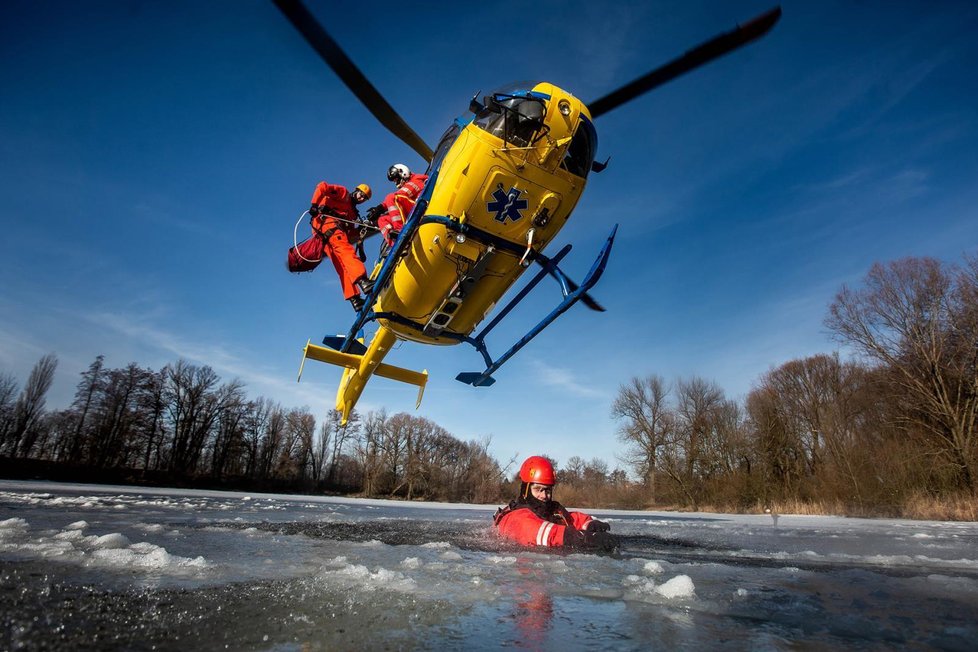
x=571 y=292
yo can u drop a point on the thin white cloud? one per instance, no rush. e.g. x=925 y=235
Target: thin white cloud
x=17 y=351
x=564 y=379
x=227 y=364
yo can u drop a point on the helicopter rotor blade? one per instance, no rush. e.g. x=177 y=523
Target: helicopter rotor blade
x=701 y=54
x=347 y=71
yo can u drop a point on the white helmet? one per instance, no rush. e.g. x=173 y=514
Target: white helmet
x=398 y=172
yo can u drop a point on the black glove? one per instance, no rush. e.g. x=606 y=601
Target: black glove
x=594 y=525
x=394 y=235
x=374 y=213
x=589 y=540
x=314 y=210
x=602 y=540
x=576 y=539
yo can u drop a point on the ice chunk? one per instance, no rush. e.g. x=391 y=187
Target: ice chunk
x=653 y=568
x=361 y=577
x=436 y=544
x=111 y=541
x=12 y=528
x=681 y=586
x=70 y=535
x=145 y=556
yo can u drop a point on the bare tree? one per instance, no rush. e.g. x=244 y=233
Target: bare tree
x=573 y=472
x=193 y=405
x=697 y=417
x=333 y=441
x=227 y=451
x=646 y=425
x=29 y=408
x=255 y=426
x=778 y=449
x=368 y=449
x=86 y=394
x=8 y=393
x=917 y=317
x=271 y=441
x=292 y=457
x=822 y=409
x=152 y=406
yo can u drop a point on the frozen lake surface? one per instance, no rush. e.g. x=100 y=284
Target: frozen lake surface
x=102 y=567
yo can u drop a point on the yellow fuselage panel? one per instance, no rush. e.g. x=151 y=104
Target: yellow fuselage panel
x=496 y=188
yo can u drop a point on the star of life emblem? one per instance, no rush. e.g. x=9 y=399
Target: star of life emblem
x=507 y=205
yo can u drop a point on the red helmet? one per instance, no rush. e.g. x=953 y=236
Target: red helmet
x=539 y=470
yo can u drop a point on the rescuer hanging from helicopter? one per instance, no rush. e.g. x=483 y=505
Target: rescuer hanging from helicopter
x=534 y=518
x=336 y=227
x=393 y=211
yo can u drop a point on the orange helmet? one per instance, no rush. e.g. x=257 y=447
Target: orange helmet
x=538 y=470
x=365 y=189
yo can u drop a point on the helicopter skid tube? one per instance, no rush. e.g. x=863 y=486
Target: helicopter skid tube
x=484 y=378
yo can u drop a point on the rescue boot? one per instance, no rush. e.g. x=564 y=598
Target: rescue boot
x=364 y=284
x=357 y=303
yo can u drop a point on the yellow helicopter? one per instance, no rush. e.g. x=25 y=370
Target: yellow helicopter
x=501 y=185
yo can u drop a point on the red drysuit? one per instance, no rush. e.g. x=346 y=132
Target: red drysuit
x=335 y=236
x=399 y=204
x=520 y=524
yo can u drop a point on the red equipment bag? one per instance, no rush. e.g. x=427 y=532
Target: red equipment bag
x=306 y=256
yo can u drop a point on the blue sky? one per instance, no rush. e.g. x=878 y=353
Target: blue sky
x=155 y=158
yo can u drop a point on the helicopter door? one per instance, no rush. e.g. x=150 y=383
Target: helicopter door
x=509 y=205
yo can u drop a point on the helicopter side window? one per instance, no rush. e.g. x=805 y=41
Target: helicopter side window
x=518 y=120
x=580 y=153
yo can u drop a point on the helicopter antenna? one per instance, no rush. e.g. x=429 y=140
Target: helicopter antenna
x=701 y=54
x=355 y=80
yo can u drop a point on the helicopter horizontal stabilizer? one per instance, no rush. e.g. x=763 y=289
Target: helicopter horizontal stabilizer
x=353 y=361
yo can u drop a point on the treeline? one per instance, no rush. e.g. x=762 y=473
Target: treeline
x=891 y=432
x=183 y=425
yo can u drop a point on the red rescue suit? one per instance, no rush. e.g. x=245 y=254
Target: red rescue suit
x=399 y=205
x=521 y=524
x=338 y=235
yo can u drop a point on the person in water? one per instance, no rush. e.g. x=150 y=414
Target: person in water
x=536 y=519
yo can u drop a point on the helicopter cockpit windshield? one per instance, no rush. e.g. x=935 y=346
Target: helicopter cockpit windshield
x=514 y=115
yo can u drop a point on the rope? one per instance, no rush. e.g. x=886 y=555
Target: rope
x=295 y=232
x=295 y=240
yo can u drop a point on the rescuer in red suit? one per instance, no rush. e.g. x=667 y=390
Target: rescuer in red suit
x=336 y=228
x=394 y=210
x=535 y=519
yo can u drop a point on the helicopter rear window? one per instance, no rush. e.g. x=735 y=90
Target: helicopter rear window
x=517 y=119
x=580 y=152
